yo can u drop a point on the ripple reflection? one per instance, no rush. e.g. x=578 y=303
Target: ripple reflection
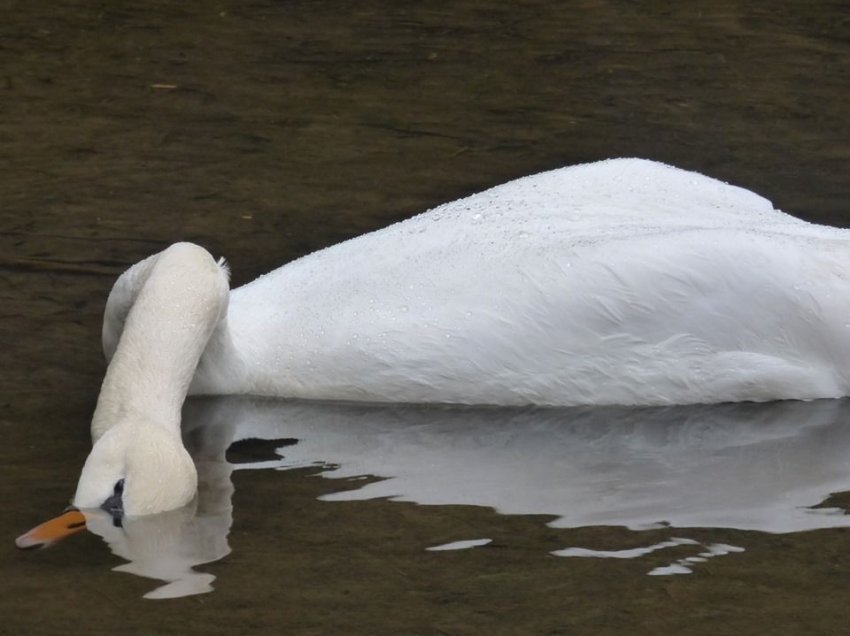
x=758 y=467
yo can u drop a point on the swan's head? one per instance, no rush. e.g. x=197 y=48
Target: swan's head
x=137 y=470
x=132 y=470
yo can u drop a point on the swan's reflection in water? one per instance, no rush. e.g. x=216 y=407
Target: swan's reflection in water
x=746 y=466
x=167 y=546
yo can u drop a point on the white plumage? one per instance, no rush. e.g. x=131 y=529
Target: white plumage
x=619 y=282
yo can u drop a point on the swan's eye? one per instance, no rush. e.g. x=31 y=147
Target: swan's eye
x=114 y=505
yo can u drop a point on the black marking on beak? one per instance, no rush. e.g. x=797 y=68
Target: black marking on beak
x=114 y=504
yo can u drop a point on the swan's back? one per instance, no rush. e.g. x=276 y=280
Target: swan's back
x=625 y=281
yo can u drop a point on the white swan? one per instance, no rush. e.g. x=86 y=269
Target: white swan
x=619 y=282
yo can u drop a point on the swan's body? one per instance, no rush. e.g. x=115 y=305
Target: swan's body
x=620 y=282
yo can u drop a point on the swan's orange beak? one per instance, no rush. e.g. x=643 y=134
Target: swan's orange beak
x=49 y=532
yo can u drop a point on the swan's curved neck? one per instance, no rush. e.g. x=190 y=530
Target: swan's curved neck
x=159 y=317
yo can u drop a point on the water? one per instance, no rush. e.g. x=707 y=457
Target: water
x=268 y=130
x=763 y=467
x=382 y=508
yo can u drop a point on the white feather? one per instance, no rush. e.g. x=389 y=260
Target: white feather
x=619 y=282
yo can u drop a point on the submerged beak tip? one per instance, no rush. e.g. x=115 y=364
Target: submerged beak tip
x=26 y=542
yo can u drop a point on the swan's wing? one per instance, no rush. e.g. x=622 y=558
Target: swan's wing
x=588 y=284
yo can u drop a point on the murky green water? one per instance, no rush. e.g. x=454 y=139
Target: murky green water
x=266 y=130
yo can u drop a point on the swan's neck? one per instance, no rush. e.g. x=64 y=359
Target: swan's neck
x=169 y=305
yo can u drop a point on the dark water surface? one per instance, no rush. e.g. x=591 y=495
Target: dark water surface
x=265 y=130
